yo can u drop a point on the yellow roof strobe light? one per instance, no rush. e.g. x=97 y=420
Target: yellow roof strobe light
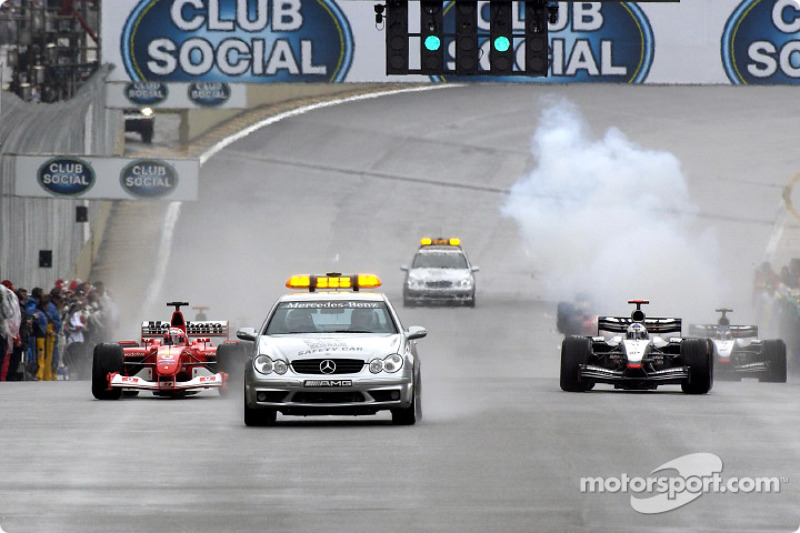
x=333 y=280
x=452 y=241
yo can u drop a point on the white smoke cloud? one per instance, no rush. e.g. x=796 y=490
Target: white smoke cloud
x=610 y=218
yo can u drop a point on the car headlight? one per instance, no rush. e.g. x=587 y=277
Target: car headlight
x=264 y=365
x=280 y=366
x=391 y=364
x=416 y=283
x=465 y=283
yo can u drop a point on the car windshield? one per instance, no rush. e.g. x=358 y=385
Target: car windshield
x=340 y=316
x=440 y=260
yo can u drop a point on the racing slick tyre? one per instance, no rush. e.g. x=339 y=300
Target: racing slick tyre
x=259 y=417
x=471 y=301
x=107 y=358
x=231 y=358
x=575 y=351
x=408 y=416
x=775 y=355
x=698 y=356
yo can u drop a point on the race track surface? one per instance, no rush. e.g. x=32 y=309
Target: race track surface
x=678 y=201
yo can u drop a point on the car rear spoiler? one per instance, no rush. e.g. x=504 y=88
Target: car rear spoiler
x=619 y=324
x=710 y=330
x=206 y=328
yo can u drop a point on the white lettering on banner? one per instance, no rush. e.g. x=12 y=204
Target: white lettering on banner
x=233 y=57
x=68 y=179
x=72 y=168
x=581 y=57
x=149 y=170
x=764 y=63
x=148 y=181
x=206 y=56
x=766 y=59
x=282 y=58
x=306 y=53
x=191 y=15
x=780 y=13
x=587 y=17
x=240 y=63
x=163 y=62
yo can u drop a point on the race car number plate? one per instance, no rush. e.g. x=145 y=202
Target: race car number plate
x=328 y=383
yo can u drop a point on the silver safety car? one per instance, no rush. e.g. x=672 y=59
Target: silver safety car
x=332 y=349
x=440 y=273
x=738 y=352
x=636 y=356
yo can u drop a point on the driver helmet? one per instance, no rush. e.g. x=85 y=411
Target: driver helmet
x=724 y=333
x=636 y=332
x=174 y=336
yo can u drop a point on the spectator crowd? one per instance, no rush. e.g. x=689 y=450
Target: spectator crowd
x=50 y=335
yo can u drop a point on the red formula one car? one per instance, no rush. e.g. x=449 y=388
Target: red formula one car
x=174 y=359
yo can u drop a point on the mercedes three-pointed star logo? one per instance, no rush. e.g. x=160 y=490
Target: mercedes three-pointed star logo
x=327 y=367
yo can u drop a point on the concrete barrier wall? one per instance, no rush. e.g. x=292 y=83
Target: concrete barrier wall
x=196 y=122
x=81 y=125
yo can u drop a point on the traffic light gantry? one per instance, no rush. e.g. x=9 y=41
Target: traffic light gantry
x=452 y=41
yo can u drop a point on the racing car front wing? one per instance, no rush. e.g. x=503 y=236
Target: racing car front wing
x=669 y=376
x=213 y=381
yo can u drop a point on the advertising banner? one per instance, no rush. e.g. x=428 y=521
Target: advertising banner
x=194 y=95
x=110 y=178
x=324 y=41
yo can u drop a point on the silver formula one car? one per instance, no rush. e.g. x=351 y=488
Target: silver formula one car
x=739 y=353
x=636 y=356
x=334 y=349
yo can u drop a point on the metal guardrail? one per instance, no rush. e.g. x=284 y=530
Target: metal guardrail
x=81 y=125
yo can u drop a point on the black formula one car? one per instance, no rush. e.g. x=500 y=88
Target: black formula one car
x=635 y=356
x=739 y=353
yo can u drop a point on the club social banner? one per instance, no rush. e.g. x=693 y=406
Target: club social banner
x=214 y=44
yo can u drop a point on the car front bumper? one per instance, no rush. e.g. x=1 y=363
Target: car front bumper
x=438 y=295
x=362 y=393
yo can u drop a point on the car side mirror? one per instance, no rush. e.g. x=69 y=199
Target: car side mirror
x=246 y=334
x=476 y=268
x=404 y=268
x=416 y=332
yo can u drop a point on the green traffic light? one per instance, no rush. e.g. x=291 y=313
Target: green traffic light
x=432 y=42
x=502 y=44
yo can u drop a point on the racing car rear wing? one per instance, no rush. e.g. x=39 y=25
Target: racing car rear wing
x=619 y=324
x=206 y=328
x=711 y=330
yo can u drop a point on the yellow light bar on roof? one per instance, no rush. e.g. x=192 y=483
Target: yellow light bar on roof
x=333 y=280
x=452 y=241
x=300 y=281
x=368 y=281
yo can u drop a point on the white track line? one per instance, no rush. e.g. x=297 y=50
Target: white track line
x=174 y=209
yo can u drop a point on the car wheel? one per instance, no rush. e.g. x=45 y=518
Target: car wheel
x=147 y=135
x=107 y=358
x=408 y=416
x=471 y=301
x=259 y=417
x=575 y=351
x=231 y=358
x=775 y=354
x=697 y=355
